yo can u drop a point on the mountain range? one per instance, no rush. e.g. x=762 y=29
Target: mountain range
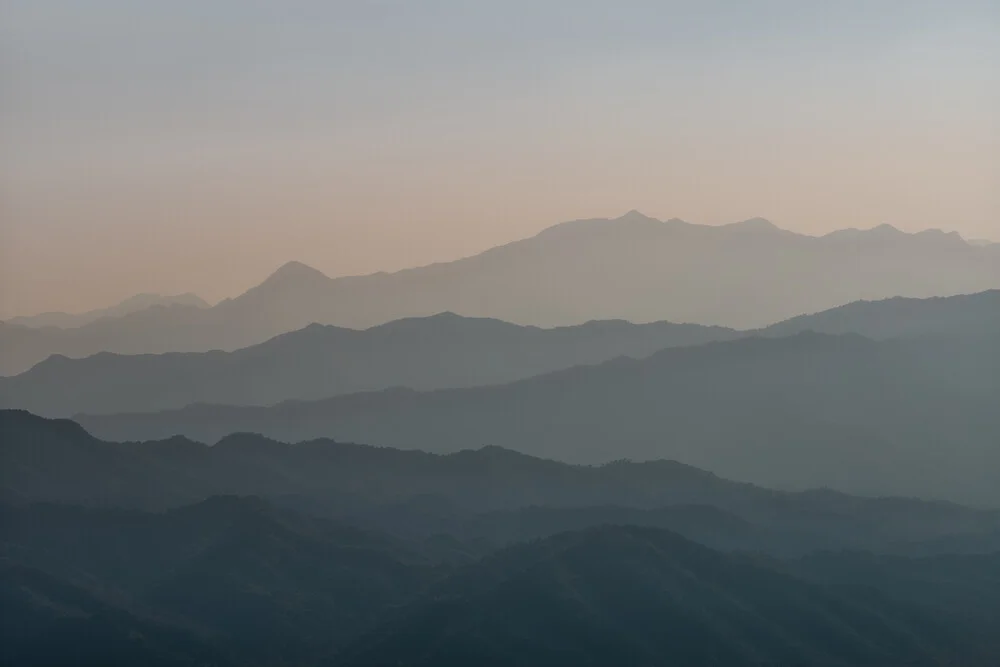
x=437 y=352
x=803 y=472
x=636 y=268
x=320 y=361
x=491 y=494
x=807 y=410
x=341 y=554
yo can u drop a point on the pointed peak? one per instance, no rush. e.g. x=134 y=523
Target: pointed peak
x=635 y=216
x=294 y=272
x=296 y=268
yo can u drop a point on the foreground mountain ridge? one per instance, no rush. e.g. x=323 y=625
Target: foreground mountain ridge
x=489 y=493
x=638 y=596
x=119 y=587
x=259 y=553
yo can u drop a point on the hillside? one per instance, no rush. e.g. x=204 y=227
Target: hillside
x=262 y=586
x=632 y=596
x=900 y=317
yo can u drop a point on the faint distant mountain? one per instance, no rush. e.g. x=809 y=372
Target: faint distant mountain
x=129 y=305
x=981 y=242
x=744 y=275
x=902 y=417
x=973 y=314
x=436 y=352
x=158 y=328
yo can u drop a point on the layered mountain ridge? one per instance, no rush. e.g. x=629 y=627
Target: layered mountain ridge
x=633 y=268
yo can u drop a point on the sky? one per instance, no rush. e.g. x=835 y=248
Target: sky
x=196 y=146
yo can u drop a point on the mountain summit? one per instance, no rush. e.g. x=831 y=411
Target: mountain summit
x=291 y=273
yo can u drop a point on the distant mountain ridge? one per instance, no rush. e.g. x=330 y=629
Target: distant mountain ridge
x=130 y=305
x=808 y=410
x=635 y=268
x=436 y=352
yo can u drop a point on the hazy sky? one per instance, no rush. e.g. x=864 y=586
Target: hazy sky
x=195 y=145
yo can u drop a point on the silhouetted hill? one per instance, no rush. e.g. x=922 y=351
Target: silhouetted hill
x=129 y=305
x=806 y=411
x=489 y=494
x=48 y=621
x=273 y=587
x=633 y=268
x=238 y=581
x=251 y=581
x=795 y=524
x=972 y=314
x=636 y=596
x=323 y=361
x=959 y=583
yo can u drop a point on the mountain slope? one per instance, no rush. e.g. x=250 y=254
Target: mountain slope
x=48 y=621
x=632 y=596
x=633 y=268
x=806 y=411
x=276 y=587
x=972 y=314
x=323 y=361
x=238 y=581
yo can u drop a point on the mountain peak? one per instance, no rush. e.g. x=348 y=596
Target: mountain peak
x=295 y=272
x=635 y=216
x=296 y=268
